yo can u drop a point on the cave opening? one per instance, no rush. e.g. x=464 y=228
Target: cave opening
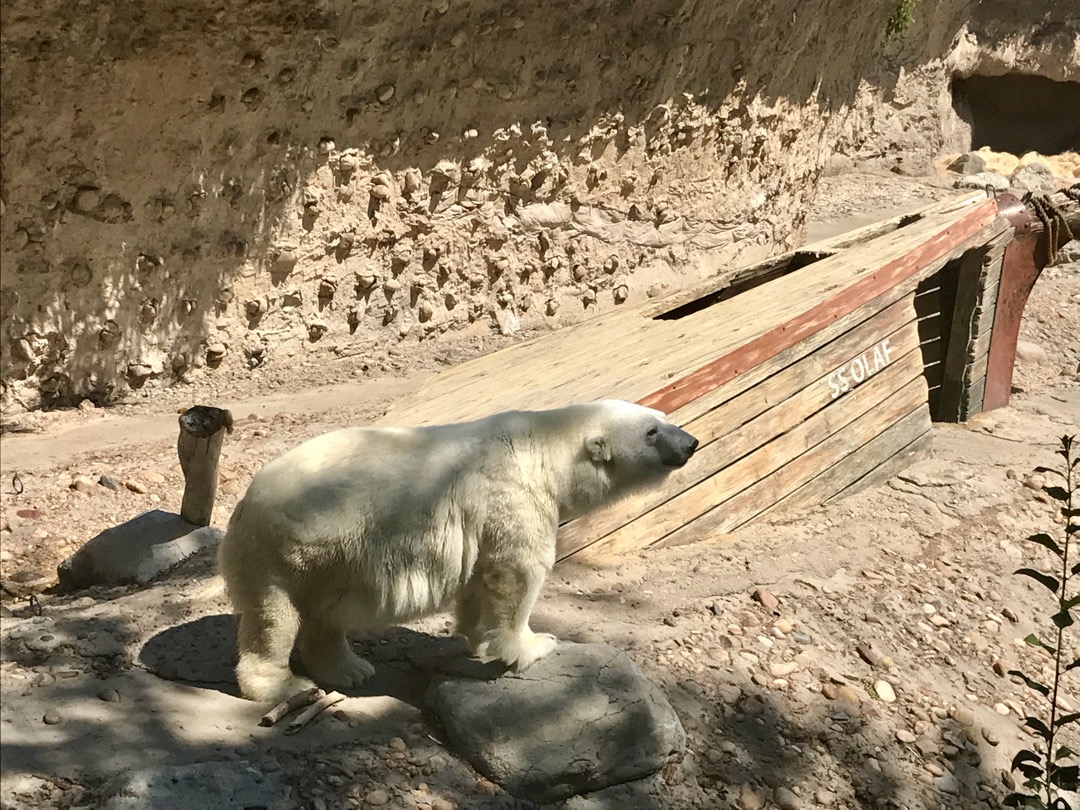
x=1019 y=113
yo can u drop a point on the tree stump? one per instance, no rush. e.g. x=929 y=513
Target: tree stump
x=202 y=430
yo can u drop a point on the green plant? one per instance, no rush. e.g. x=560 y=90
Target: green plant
x=902 y=17
x=1045 y=770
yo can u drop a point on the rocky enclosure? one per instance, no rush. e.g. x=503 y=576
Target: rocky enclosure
x=193 y=189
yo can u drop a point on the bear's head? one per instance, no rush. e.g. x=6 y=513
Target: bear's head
x=630 y=447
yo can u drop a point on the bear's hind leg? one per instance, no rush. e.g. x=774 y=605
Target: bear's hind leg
x=327 y=657
x=265 y=635
x=509 y=596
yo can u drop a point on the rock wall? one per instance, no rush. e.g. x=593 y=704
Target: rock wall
x=189 y=188
x=905 y=114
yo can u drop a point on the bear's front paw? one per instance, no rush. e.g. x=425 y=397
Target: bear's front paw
x=517 y=650
x=343 y=671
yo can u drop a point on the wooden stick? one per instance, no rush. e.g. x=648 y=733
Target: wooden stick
x=202 y=430
x=310 y=713
x=304 y=698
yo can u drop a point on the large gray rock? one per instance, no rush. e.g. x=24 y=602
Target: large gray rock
x=968 y=163
x=583 y=719
x=997 y=182
x=135 y=552
x=1035 y=177
x=198 y=786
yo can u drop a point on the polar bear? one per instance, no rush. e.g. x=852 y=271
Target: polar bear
x=363 y=528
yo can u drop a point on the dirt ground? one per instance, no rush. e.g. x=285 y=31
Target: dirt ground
x=909 y=585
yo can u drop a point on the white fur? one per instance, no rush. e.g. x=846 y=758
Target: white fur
x=367 y=527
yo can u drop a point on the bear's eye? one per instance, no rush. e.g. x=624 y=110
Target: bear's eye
x=652 y=432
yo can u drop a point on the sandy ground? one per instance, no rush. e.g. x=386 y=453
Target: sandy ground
x=910 y=584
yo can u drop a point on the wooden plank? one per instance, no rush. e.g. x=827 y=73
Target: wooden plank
x=971 y=289
x=893 y=301
x=824 y=248
x=747 y=422
x=851 y=463
x=770 y=492
x=644 y=350
x=881 y=463
x=784 y=335
x=900 y=384
x=978 y=278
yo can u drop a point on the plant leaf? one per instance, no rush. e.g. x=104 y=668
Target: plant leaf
x=1051 y=583
x=1063 y=618
x=1065 y=778
x=1035 y=641
x=1066 y=719
x=1041 y=688
x=1024 y=755
x=1038 y=726
x=1064 y=752
x=1073 y=665
x=1021 y=800
x=1032 y=772
x=1046 y=541
x=1057 y=493
x=1050 y=470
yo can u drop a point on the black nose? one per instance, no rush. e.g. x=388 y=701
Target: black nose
x=676 y=446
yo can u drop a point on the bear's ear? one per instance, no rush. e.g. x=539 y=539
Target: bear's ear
x=597 y=448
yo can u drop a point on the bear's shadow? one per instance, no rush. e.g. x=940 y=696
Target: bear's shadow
x=202 y=653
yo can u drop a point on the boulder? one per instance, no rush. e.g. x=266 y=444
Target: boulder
x=1035 y=177
x=968 y=163
x=981 y=180
x=135 y=552
x=583 y=719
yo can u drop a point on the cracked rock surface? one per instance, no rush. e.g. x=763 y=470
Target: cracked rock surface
x=582 y=719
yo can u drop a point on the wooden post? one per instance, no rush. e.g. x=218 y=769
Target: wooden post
x=202 y=430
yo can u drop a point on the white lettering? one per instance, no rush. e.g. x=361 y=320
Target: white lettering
x=834 y=386
x=859 y=369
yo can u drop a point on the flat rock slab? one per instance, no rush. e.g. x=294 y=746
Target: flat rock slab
x=135 y=552
x=198 y=786
x=581 y=720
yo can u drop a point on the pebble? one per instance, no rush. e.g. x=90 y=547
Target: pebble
x=885 y=691
x=1001 y=709
x=751 y=798
x=137 y=487
x=935 y=769
x=766 y=598
x=377 y=798
x=868 y=654
x=109 y=695
x=783 y=669
x=1008 y=614
x=109 y=483
x=947 y=784
x=905 y=736
x=784 y=626
x=826 y=798
x=964 y=716
x=442 y=804
x=52 y=717
x=84 y=483
x=938 y=620
x=990 y=737
x=786 y=800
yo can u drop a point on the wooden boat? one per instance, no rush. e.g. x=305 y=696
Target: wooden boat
x=806 y=377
